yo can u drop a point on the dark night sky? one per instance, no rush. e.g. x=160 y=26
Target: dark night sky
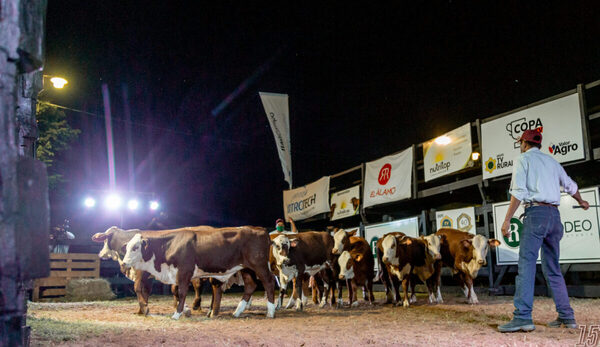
x=364 y=81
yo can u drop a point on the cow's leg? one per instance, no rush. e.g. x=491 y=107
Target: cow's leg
x=216 y=300
x=405 y=280
x=249 y=287
x=350 y=291
x=325 y=293
x=298 y=287
x=315 y=289
x=294 y=296
x=142 y=287
x=282 y=292
x=175 y=293
x=370 y=289
x=266 y=277
x=395 y=281
x=354 y=300
x=197 y=284
x=472 y=298
x=305 y=289
x=364 y=292
x=340 y=288
x=183 y=282
x=413 y=284
x=436 y=279
x=462 y=283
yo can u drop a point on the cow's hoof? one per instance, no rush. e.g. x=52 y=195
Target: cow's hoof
x=413 y=299
x=187 y=312
x=290 y=303
x=196 y=306
x=270 y=310
x=354 y=304
x=209 y=313
x=322 y=304
x=176 y=315
x=405 y=304
x=340 y=303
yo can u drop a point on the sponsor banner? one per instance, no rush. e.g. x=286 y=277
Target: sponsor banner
x=460 y=218
x=581 y=238
x=559 y=122
x=448 y=153
x=307 y=201
x=374 y=232
x=388 y=179
x=345 y=203
x=278 y=113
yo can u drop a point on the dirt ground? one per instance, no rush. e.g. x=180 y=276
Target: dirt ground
x=454 y=323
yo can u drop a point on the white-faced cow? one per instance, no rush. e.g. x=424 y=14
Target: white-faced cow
x=115 y=239
x=306 y=253
x=464 y=254
x=347 y=241
x=356 y=265
x=383 y=268
x=176 y=258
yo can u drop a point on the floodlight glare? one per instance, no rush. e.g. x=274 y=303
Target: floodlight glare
x=58 y=82
x=89 y=202
x=112 y=202
x=154 y=205
x=133 y=204
x=443 y=140
x=475 y=156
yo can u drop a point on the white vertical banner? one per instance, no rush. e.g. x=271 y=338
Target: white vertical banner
x=307 y=201
x=278 y=113
x=388 y=179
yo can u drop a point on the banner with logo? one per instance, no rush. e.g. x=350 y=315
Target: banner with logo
x=307 y=201
x=448 y=153
x=460 y=218
x=373 y=232
x=559 y=121
x=581 y=239
x=278 y=113
x=388 y=179
x=345 y=203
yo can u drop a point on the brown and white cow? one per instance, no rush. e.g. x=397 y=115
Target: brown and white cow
x=304 y=253
x=408 y=259
x=357 y=266
x=220 y=253
x=115 y=239
x=346 y=241
x=383 y=269
x=464 y=254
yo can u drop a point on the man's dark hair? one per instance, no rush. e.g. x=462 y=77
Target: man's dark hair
x=533 y=144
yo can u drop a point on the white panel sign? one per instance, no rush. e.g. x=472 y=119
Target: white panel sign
x=388 y=179
x=374 y=232
x=581 y=239
x=448 y=153
x=345 y=203
x=307 y=201
x=560 y=122
x=460 y=218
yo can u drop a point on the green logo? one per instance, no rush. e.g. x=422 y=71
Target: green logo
x=374 y=246
x=514 y=238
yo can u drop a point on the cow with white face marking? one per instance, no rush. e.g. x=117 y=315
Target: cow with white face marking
x=347 y=241
x=115 y=239
x=356 y=266
x=390 y=284
x=464 y=254
x=216 y=253
x=305 y=253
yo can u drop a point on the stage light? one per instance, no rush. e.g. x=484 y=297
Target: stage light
x=443 y=140
x=154 y=205
x=133 y=204
x=89 y=202
x=112 y=202
x=475 y=156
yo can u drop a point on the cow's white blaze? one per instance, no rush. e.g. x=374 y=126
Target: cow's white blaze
x=338 y=237
x=279 y=243
x=433 y=245
x=343 y=262
x=389 y=245
x=480 y=248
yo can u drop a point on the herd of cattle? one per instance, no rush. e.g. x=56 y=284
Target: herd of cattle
x=321 y=260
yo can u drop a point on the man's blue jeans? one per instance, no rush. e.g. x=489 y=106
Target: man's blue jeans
x=541 y=228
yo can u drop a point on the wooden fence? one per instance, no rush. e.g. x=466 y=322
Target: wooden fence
x=63 y=268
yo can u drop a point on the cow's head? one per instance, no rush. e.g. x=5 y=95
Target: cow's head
x=341 y=240
x=433 y=242
x=391 y=248
x=134 y=251
x=107 y=252
x=480 y=246
x=346 y=262
x=281 y=249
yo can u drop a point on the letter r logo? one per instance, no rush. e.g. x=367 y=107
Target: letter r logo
x=384 y=174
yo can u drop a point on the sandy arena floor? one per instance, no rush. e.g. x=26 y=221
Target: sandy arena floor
x=454 y=323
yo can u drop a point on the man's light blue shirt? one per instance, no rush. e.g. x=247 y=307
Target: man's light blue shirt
x=538 y=177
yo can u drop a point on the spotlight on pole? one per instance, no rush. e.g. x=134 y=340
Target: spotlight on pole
x=89 y=202
x=154 y=205
x=112 y=202
x=133 y=204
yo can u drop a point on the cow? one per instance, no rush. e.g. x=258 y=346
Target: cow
x=408 y=259
x=357 y=266
x=346 y=241
x=464 y=254
x=304 y=253
x=383 y=269
x=176 y=258
x=115 y=239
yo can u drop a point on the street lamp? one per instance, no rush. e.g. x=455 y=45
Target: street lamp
x=58 y=82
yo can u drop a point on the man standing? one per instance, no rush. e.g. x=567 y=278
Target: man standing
x=536 y=180
x=280 y=226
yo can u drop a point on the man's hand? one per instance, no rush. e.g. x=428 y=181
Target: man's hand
x=584 y=204
x=506 y=228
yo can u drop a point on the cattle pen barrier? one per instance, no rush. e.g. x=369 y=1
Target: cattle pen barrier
x=63 y=268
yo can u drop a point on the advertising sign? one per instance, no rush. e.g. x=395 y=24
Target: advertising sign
x=278 y=113
x=558 y=120
x=374 y=232
x=307 y=201
x=448 y=153
x=388 y=179
x=345 y=203
x=581 y=239
x=460 y=218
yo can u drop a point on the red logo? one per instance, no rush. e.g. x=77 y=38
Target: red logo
x=550 y=149
x=384 y=174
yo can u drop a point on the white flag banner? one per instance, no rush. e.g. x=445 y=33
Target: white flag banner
x=278 y=113
x=307 y=201
x=388 y=179
x=448 y=153
x=559 y=121
x=345 y=203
